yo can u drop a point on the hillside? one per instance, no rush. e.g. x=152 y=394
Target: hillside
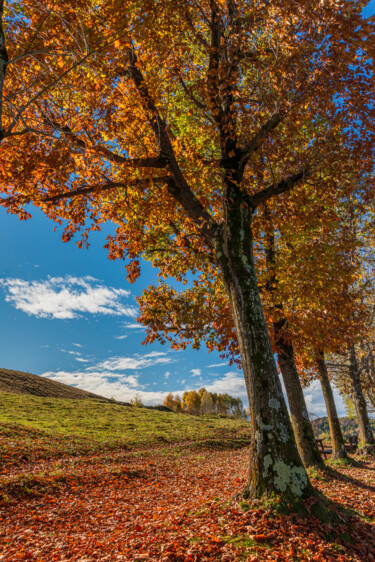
x=17 y=382
x=349 y=427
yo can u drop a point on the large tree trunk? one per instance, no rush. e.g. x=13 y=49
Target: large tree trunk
x=275 y=465
x=302 y=428
x=366 y=436
x=338 y=445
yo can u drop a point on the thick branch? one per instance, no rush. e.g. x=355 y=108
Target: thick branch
x=151 y=162
x=279 y=188
x=141 y=182
x=257 y=139
x=177 y=186
x=191 y=96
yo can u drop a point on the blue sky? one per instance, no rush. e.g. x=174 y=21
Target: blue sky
x=70 y=315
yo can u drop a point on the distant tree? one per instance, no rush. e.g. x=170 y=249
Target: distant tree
x=191 y=402
x=173 y=402
x=137 y=401
x=207 y=403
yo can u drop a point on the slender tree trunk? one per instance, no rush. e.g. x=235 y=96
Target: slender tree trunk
x=338 y=445
x=303 y=431
x=366 y=435
x=302 y=428
x=275 y=465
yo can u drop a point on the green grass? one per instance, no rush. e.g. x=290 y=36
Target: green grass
x=69 y=426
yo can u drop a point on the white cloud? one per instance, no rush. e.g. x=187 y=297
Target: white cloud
x=232 y=383
x=134 y=363
x=66 y=297
x=167 y=375
x=82 y=360
x=122 y=387
x=218 y=365
x=133 y=326
x=196 y=372
x=120 y=337
x=315 y=400
x=119 y=386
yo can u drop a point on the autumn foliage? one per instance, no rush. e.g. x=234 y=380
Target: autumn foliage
x=182 y=123
x=203 y=402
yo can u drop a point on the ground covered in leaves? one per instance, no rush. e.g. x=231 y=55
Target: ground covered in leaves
x=163 y=501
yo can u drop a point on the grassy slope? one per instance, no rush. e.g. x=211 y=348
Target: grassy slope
x=63 y=426
x=17 y=382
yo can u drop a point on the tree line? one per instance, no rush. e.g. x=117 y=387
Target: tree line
x=203 y=402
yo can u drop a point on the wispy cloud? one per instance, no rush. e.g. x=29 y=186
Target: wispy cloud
x=135 y=362
x=217 y=365
x=196 y=372
x=66 y=297
x=132 y=326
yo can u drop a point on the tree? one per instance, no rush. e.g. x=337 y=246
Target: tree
x=337 y=438
x=173 y=402
x=162 y=137
x=191 y=402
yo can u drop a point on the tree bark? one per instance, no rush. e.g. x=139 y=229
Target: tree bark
x=3 y=67
x=302 y=428
x=366 y=436
x=338 y=445
x=275 y=465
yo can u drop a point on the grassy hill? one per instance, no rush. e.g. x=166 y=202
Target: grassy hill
x=63 y=426
x=17 y=382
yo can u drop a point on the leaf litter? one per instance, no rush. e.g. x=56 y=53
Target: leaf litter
x=169 y=504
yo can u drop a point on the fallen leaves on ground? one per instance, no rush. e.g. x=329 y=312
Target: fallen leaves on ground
x=169 y=504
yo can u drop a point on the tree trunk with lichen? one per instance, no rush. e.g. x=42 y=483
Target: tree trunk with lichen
x=302 y=428
x=366 y=436
x=275 y=465
x=338 y=445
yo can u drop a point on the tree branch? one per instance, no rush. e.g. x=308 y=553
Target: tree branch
x=256 y=141
x=151 y=162
x=177 y=185
x=281 y=187
x=139 y=182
